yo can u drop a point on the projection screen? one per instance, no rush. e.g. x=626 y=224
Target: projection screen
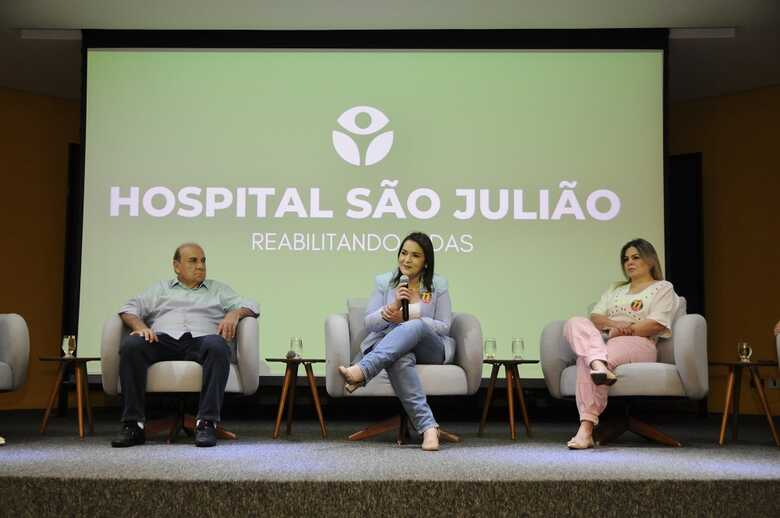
x=299 y=171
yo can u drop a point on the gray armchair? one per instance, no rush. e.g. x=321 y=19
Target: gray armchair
x=185 y=376
x=680 y=372
x=14 y=353
x=344 y=333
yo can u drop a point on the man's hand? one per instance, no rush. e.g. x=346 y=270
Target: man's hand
x=147 y=333
x=227 y=328
x=138 y=326
x=392 y=314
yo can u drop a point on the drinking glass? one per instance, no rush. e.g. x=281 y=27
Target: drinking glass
x=296 y=346
x=518 y=348
x=68 y=345
x=744 y=351
x=490 y=348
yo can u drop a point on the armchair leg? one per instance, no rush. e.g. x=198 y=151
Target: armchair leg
x=448 y=436
x=178 y=424
x=403 y=430
x=156 y=426
x=188 y=425
x=611 y=429
x=182 y=422
x=648 y=432
x=400 y=424
x=377 y=429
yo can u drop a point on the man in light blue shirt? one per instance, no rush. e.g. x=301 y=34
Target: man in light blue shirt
x=186 y=318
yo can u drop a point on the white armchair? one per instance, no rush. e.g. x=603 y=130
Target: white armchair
x=680 y=372
x=14 y=353
x=184 y=376
x=344 y=332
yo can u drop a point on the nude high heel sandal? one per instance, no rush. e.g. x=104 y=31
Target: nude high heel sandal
x=351 y=385
x=431 y=439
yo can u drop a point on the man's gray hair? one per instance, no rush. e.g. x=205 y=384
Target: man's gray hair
x=177 y=253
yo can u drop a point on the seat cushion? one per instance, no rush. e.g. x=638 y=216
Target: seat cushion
x=183 y=376
x=437 y=380
x=634 y=379
x=6 y=377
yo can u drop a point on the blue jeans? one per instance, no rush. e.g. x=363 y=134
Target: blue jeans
x=398 y=352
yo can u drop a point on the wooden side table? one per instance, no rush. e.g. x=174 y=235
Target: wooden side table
x=82 y=389
x=733 y=392
x=512 y=384
x=288 y=392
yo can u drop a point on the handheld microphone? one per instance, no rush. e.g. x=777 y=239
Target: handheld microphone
x=404 y=281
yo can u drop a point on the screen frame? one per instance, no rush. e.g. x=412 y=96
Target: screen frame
x=325 y=40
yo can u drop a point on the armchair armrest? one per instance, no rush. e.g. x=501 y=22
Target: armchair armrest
x=337 y=352
x=16 y=352
x=248 y=354
x=110 y=340
x=467 y=332
x=689 y=333
x=555 y=354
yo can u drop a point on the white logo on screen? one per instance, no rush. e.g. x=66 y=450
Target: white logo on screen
x=346 y=146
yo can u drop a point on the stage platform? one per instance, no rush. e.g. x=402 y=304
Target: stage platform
x=304 y=475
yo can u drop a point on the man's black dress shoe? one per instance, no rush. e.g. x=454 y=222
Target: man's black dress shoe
x=130 y=435
x=206 y=434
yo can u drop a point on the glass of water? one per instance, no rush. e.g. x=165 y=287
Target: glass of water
x=296 y=346
x=518 y=348
x=68 y=345
x=744 y=351
x=490 y=348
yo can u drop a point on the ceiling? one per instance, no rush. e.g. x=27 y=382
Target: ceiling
x=698 y=67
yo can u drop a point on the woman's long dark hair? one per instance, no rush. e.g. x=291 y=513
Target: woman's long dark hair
x=424 y=241
x=647 y=253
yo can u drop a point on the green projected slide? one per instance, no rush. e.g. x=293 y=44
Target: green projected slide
x=299 y=172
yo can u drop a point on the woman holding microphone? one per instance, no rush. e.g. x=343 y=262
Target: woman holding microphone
x=400 y=338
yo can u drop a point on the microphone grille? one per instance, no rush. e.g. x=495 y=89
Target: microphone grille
x=404 y=279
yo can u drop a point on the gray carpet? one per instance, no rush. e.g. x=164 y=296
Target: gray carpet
x=299 y=475
x=305 y=456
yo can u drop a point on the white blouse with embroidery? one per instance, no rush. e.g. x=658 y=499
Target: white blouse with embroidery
x=657 y=302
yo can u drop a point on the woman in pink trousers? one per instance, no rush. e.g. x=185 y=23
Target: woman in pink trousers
x=623 y=328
